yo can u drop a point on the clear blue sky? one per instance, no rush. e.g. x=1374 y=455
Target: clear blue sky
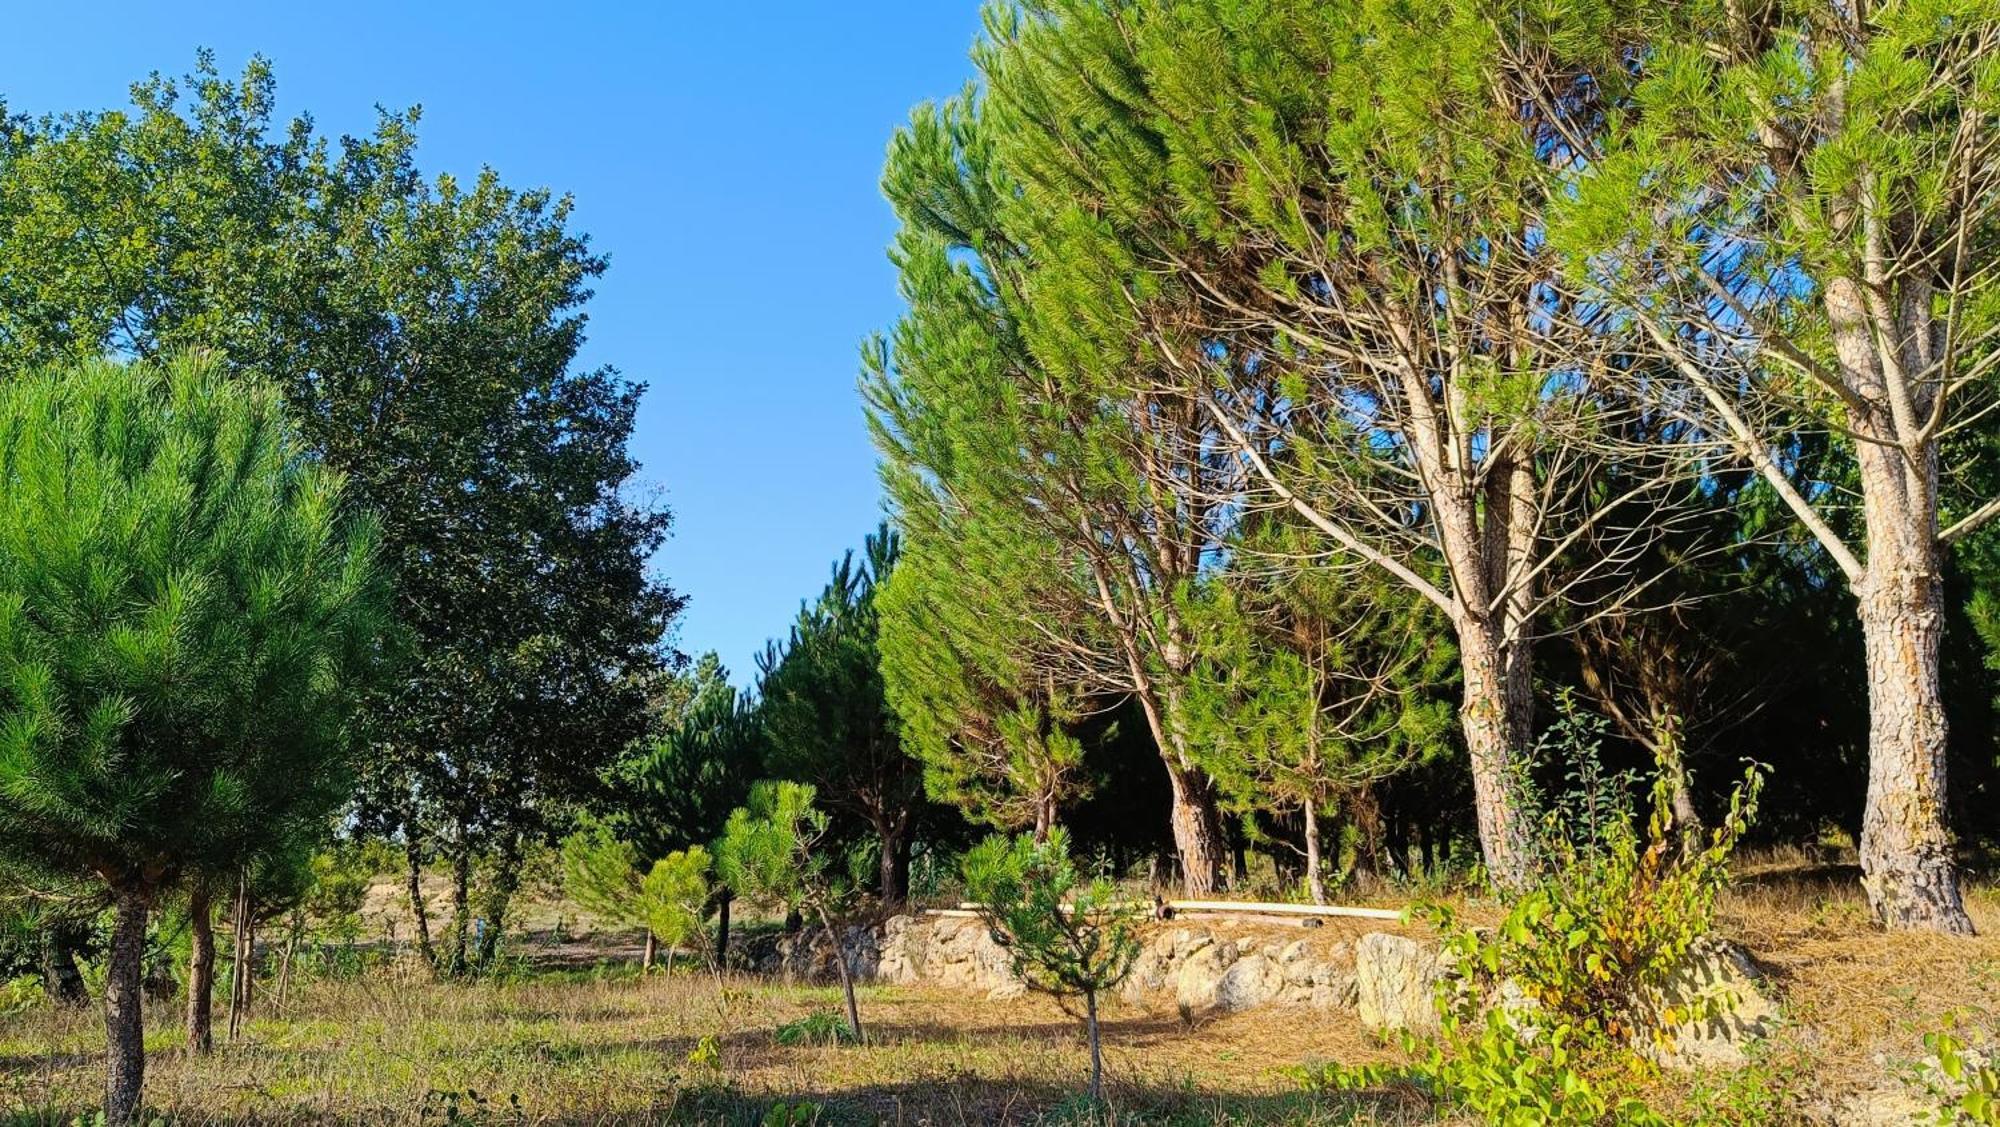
x=725 y=155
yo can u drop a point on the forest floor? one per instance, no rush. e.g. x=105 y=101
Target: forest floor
x=555 y=1042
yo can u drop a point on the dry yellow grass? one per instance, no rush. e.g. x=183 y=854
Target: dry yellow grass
x=575 y=1046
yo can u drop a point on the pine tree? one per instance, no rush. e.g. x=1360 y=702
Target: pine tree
x=1796 y=206
x=186 y=615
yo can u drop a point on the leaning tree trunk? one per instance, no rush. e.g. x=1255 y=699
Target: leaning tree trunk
x=1197 y=824
x=413 y=856
x=1907 y=863
x=201 y=973
x=846 y=975
x=1497 y=718
x=124 y=1021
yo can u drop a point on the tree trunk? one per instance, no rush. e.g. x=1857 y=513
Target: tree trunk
x=846 y=976
x=413 y=855
x=1366 y=818
x=124 y=1021
x=458 y=950
x=1199 y=842
x=241 y=970
x=506 y=879
x=1096 y=1047
x=652 y=950
x=1497 y=717
x=201 y=973
x=291 y=952
x=1045 y=817
x=61 y=977
x=1315 y=878
x=1907 y=862
x=894 y=864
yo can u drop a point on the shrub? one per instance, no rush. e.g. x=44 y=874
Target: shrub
x=1588 y=947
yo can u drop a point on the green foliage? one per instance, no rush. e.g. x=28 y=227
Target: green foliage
x=186 y=618
x=827 y=720
x=1966 y=1085
x=1064 y=935
x=674 y=893
x=820 y=1027
x=601 y=874
x=676 y=789
x=770 y=851
x=1584 y=953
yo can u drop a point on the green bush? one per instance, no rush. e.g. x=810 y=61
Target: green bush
x=1584 y=952
x=820 y=1027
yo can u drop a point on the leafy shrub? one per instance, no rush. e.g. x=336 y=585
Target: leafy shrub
x=1586 y=952
x=1965 y=1085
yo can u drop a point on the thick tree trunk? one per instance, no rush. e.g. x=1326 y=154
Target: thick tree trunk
x=201 y=973
x=1197 y=824
x=413 y=857
x=893 y=878
x=506 y=879
x=1498 y=720
x=61 y=977
x=1315 y=877
x=1907 y=862
x=124 y=1021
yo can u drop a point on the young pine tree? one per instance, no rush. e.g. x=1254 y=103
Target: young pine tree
x=1064 y=936
x=185 y=615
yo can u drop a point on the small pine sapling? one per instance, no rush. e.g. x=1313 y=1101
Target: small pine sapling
x=774 y=851
x=1065 y=936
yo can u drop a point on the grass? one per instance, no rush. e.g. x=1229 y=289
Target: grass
x=571 y=1041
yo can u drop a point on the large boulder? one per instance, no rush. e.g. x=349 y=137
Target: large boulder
x=1396 y=981
x=1200 y=975
x=1247 y=983
x=1712 y=1008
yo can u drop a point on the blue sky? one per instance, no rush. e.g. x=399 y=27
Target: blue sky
x=725 y=155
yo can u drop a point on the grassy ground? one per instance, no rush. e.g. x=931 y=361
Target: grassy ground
x=579 y=1045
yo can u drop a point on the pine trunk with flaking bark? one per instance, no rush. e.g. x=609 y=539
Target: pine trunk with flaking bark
x=201 y=973
x=1908 y=863
x=893 y=878
x=1045 y=817
x=1199 y=842
x=124 y=1021
x=1497 y=718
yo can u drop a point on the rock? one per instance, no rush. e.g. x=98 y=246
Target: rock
x=1395 y=981
x=1718 y=1006
x=1248 y=982
x=1200 y=974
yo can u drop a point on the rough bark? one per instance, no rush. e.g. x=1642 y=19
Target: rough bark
x=1908 y=864
x=201 y=973
x=1907 y=860
x=1497 y=718
x=124 y=1025
x=1199 y=842
x=893 y=878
